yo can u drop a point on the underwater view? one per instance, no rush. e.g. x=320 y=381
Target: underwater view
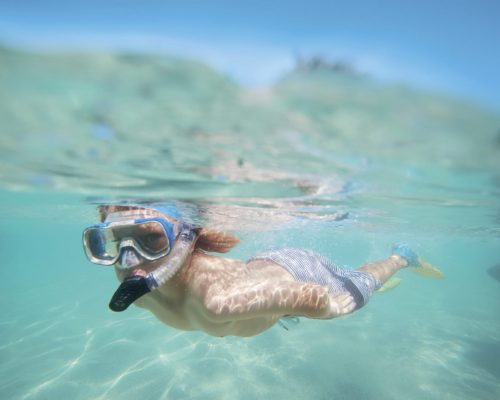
x=325 y=158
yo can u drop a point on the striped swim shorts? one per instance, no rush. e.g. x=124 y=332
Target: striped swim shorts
x=307 y=266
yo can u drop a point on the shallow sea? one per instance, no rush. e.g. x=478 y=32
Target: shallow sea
x=334 y=162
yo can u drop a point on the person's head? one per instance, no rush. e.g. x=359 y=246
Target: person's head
x=147 y=245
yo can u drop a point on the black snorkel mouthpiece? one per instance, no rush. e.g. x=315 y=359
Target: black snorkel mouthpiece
x=129 y=291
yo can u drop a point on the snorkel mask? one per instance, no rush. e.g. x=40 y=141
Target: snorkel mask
x=150 y=239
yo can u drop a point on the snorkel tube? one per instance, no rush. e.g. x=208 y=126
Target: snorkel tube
x=137 y=286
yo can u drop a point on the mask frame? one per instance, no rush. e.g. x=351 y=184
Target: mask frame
x=96 y=237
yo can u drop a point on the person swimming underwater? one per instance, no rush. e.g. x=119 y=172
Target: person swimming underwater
x=163 y=265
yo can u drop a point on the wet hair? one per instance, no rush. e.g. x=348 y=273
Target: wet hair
x=215 y=241
x=209 y=240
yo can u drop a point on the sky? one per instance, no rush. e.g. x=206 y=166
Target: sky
x=448 y=46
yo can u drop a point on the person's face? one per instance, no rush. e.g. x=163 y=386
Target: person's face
x=151 y=236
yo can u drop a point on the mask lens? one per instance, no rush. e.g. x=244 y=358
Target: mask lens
x=101 y=244
x=151 y=236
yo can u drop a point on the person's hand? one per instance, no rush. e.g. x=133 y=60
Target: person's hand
x=341 y=304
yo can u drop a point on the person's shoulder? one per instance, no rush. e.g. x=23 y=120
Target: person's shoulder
x=206 y=273
x=203 y=262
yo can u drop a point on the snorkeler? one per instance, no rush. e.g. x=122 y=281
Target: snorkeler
x=163 y=266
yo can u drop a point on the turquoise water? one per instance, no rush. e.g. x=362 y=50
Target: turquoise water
x=330 y=161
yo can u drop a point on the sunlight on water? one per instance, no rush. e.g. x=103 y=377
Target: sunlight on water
x=324 y=160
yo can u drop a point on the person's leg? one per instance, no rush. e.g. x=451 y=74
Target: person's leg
x=383 y=270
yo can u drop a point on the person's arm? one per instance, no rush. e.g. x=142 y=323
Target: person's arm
x=273 y=298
